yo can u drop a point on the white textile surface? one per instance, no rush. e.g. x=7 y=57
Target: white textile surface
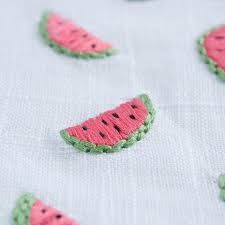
x=170 y=177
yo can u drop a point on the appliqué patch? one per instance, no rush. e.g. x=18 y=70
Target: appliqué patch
x=114 y=129
x=72 y=40
x=211 y=46
x=31 y=211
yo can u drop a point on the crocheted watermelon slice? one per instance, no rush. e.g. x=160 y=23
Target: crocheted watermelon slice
x=113 y=129
x=70 y=39
x=212 y=48
x=31 y=211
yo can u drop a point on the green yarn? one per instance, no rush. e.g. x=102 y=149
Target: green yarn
x=44 y=33
x=222 y=194
x=212 y=65
x=221 y=181
x=132 y=139
x=221 y=184
x=21 y=212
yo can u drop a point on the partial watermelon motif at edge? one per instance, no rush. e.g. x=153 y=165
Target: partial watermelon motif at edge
x=114 y=129
x=31 y=211
x=211 y=46
x=70 y=39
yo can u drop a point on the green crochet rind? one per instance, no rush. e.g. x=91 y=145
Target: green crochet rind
x=21 y=212
x=132 y=139
x=221 y=184
x=212 y=65
x=44 y=33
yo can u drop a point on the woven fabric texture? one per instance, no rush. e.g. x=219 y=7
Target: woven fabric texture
x=169 y=178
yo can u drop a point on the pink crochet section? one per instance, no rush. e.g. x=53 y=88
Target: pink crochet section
x=214 y=44
x=112 y=126
x=72 y=37
x=46 y=215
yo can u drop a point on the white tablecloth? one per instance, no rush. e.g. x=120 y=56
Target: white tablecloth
x=169 y=178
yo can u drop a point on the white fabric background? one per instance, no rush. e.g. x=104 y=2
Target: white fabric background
x=170 y=177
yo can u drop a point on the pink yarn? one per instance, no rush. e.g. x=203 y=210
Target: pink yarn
x=73 y=37
x=112 y=126
x=46 y=215
x=214 y=44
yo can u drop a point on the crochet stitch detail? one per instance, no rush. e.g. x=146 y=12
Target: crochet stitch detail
x=116 y=129
x=221 y=184
x=72 y=40
x=211 y=46
x=30 y=211
x=21 y=213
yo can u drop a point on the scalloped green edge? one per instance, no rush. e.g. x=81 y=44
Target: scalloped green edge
x=132 y=139
x=212 y=65
x=21 y=212
x=221 y=184
x=44 y=33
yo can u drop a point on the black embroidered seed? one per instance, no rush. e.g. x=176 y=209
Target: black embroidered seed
x=58 y=216
x=103 y=121
x=102 y=135
x=93 y=46
x=132 y=117
x=84 y=128
x=115 y=115
x=43 y=210
x=134 y=106
x=219 y=37
x=117 y=128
